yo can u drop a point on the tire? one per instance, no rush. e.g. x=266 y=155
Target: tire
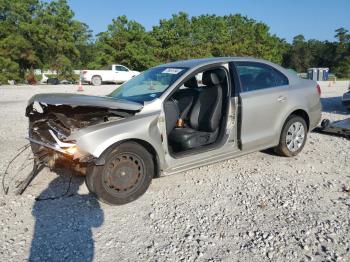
x=53 y=81
x=96 y=80
x=325 y=123
x=88 y=180
x=292 y=141
x=125 y=176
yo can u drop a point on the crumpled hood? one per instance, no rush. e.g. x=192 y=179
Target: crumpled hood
x=85 y=100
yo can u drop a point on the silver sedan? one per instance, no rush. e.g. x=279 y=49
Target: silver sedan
x=172 y=118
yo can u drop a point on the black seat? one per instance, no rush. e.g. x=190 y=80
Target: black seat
x=185 y=97
x=179 y=106
x=204 y=118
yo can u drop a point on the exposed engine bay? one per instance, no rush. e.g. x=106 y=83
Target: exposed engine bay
x=50 y=127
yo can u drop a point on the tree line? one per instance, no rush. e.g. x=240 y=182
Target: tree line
x=36 y=34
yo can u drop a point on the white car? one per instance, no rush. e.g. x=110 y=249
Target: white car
x=114 y=74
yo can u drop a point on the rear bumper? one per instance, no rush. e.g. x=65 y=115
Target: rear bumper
x=315 y=116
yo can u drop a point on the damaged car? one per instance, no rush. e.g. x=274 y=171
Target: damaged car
x=172 y=118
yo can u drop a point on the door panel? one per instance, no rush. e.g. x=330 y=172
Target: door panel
x=122 y=74
x=264 y=103
x=262 y=113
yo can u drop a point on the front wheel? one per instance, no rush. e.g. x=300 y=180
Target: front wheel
x=293 y=137
x=126 y=175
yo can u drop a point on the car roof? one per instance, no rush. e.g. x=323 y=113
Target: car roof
x=191 y=63
x=195 y=63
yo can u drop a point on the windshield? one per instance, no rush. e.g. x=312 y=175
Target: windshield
x=149 y=85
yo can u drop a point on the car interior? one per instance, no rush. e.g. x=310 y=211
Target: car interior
x=260 y=81
x=196 y=111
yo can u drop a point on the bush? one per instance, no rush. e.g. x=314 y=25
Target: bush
x=31 y=79
x=9 y=70
x=342 y=70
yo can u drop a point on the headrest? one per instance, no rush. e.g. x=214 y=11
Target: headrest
x=213 y=77
x=191 y=83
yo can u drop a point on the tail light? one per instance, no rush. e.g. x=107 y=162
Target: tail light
x=318 y=90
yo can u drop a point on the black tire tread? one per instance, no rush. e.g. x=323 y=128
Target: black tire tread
x=94 y=182
x=281 y=149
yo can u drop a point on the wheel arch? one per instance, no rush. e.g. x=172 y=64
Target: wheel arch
x=101 y=159
x=96 y=76
x=295 y=111
x=303 y=114
x=281 y=147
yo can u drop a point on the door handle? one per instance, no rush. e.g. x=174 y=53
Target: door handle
x=282 y=99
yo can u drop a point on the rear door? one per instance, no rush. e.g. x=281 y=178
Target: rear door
x=264 y=97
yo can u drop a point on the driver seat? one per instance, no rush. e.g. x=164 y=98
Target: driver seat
x=205 y=115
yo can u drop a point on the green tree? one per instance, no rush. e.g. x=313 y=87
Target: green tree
x=303 y=54
x=125 y=42
x=44 y=34
x=342 y=69
x=209 y=35
x=35 y=34
x=59 y=38
x=299 y=56
x=342 y=35
x=174 y=38
x=16 y=48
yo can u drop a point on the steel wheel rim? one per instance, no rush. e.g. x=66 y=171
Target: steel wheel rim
x=123 y=174
x=295 y=136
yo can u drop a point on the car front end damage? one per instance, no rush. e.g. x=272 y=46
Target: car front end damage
x=55 y=118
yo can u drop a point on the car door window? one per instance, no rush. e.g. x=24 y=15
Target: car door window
x=256 y=76
x=121 y=68
x=198 y=78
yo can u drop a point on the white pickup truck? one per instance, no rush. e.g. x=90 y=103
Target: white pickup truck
x=114 y=73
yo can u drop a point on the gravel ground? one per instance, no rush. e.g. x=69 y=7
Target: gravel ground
x=258 y=207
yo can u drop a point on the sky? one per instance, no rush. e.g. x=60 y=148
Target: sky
x=315 y=19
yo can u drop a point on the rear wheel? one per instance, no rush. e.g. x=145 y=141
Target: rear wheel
x=126 y=175
x=96 y=80
x=293 y=137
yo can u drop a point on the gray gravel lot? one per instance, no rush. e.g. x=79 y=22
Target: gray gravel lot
x=258 y=207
